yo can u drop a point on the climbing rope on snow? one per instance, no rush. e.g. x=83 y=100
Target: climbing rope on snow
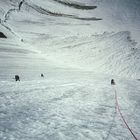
x=120 y=113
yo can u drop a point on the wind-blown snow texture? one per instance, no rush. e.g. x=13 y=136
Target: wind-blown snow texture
x=79 y=46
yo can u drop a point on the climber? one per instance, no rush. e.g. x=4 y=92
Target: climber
x=42 y=75
x=112 y=82
x=17 y=78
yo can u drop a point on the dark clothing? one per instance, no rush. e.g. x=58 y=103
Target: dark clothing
x=42 y=75
x=112 y=82
x=17 y=78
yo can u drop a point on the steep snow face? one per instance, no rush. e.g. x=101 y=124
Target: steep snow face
x=112 y=53
x=91 y=35
x=121 y=15
x=77 y=45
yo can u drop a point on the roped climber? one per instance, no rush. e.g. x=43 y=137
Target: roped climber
x=17 y=78
x=112 y=82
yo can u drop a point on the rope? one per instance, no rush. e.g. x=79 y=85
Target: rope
x=118 y=107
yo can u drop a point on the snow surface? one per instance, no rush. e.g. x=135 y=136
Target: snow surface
x=79 y=48
x=68 y=105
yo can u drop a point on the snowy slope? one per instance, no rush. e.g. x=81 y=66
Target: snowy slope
x=68 y=105
x=114 y=53
x=53 y=25
x=79 y=46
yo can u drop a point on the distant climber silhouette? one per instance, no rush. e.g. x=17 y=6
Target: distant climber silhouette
x=42 y=75
x=17 y=78
x=112 y=82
